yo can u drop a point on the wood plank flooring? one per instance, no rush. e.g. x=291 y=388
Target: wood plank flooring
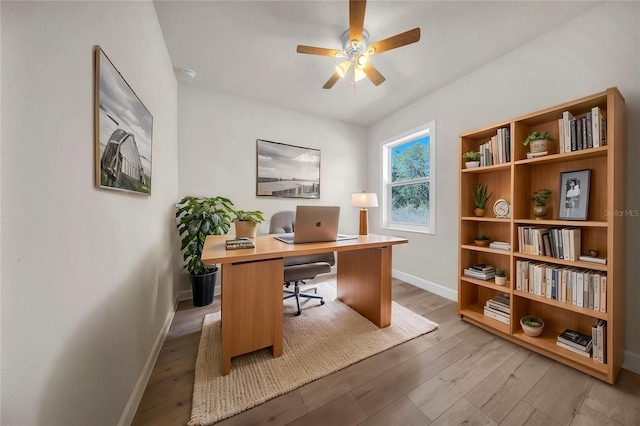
x=458 y=374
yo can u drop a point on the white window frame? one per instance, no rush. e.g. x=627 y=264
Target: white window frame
x=385 y=162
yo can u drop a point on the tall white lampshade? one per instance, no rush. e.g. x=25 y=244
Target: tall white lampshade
x=364 y=200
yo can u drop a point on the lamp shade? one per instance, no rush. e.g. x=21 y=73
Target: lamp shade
x=364 y=199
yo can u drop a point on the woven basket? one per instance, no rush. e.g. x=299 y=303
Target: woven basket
x=538 y=145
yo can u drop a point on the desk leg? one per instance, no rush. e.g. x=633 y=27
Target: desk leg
x=364 y=283
x=251 y=308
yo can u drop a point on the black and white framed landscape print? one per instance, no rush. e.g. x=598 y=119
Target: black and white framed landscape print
x=287 y=170
x=123 y=132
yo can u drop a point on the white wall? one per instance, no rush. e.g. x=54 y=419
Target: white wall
x=217 y=152
x=87 y=275
x=588 y=54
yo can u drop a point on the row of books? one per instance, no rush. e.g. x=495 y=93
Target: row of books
x=498 y=149
x=586 y=288
x=583 y=132
x=480 y=271
x=599 y=336
x=561 y=243
x=240 y=243
x=498 y=308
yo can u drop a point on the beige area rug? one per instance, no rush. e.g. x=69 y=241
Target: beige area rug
x=324 y=339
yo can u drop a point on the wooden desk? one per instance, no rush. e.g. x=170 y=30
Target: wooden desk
x=252 y=280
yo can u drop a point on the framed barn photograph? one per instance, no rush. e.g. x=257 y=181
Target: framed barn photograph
x=123 y=132
x=287 y=170
x=574 y=195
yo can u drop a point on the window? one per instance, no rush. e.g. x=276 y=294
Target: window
x=408 y=187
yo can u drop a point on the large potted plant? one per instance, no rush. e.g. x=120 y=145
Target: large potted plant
x=246 y=223
x=196 y=218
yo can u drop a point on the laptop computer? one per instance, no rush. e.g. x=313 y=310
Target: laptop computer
x=315 y=224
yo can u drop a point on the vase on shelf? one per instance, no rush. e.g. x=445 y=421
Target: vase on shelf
x=539 y=212
x=472 y=164
x=478 y=212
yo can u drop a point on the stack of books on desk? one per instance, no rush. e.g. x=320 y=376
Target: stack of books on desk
x=481 y=271
x=240 y=243
x=498 y=308
x=576 y=342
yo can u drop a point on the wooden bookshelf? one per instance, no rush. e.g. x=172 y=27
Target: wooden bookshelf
x=604 y=230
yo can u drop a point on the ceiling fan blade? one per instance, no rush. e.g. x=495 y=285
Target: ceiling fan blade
x=310 y=50
x=356 y=19
x=398 y=40
x=373 y=74
x=332 y=80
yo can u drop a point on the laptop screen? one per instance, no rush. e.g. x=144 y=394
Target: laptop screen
x=314 y=224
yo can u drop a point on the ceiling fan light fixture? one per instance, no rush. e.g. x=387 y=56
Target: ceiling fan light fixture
x=342 y=68
x=362 y=59
x=371 y=50
x=359 y=74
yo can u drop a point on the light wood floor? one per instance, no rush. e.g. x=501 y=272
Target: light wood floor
x=457 y=375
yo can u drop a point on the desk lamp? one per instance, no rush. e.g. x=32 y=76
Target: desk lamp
x=364 y=200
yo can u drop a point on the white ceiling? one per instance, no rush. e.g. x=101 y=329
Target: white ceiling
x=248 y=48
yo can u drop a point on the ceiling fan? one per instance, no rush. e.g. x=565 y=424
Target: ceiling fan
x=356 y=48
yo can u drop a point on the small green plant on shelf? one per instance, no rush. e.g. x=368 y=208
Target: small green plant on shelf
x=480 y=196
x=500 y=272
x=541 y=197
x=472 y=156
x=536 y=136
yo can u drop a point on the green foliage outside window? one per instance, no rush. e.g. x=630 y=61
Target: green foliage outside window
x=410 y=162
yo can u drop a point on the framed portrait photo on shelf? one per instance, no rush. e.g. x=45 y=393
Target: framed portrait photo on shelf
x=574 y=195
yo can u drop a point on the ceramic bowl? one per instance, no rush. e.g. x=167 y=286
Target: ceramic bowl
x=529 y=330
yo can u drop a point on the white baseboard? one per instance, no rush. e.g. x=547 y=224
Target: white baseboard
x=136 y=396
x=438 y=289
x=631 y=361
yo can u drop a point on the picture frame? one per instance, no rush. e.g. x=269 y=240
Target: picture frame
x=574 y=195
x=123 y=134
x=287 y=171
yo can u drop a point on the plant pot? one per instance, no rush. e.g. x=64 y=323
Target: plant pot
x=481 y=243
x=203 y=287
x=501 y=280
x=478 y=212
x=538 y=145
x=472 y=164
x=539 y=212
x=245 y=229
x=529 y=330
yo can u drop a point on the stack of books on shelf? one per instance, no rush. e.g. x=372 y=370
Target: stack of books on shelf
x=561 y=243
x=498 y=149
x=586 y=288
x=498 y=308
x=500 y=245
x=481 y=271
x=583 y=132
x=599 y=337
x=576 y=342
x=240 y=243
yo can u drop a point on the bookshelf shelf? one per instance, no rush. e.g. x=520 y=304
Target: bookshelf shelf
x=515 y=180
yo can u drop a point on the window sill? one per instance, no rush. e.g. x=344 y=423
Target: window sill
x=409 y=228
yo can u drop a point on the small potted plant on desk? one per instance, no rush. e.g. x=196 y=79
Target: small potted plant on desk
x=246 y=223
x=501 y=276
x=472 y=159
x=538 y=144
x=480 y=198
x=196 y=218
x=540 y=199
